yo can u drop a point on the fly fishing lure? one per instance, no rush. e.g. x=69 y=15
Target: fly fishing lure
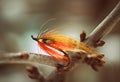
x=56 y=45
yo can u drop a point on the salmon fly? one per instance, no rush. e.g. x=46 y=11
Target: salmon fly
x=55 y=44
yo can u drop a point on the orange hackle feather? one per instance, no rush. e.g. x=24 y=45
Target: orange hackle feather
x=54 y=53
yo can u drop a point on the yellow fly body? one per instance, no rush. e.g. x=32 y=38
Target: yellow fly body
x=67 y=43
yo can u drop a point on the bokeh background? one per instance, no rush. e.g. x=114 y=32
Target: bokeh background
x=19 y=19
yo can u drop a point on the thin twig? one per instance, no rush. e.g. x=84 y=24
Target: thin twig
x=26 y=58
x=105 y=26
x=32 y=58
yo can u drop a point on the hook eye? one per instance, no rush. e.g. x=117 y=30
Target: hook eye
x=36 y=39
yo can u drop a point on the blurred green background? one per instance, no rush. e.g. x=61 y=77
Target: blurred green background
x=19 y=19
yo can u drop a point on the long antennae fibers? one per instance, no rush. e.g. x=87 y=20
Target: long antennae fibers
x=42 y=30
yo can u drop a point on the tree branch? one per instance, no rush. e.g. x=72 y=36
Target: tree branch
x=32 y=58
x=105 y=26
x=26 y=58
